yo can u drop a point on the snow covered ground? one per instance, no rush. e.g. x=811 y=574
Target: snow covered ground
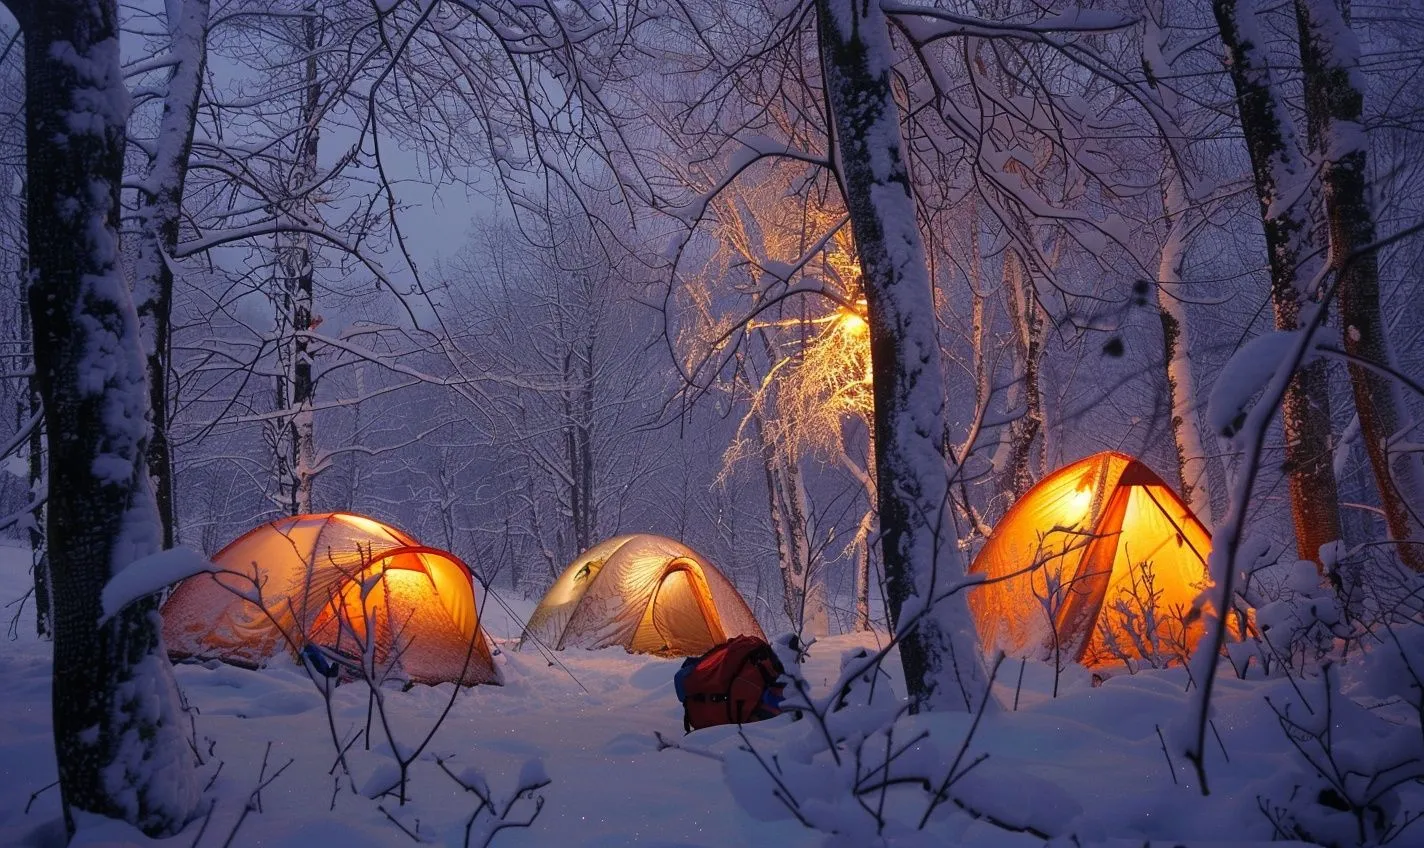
x=1088 y=762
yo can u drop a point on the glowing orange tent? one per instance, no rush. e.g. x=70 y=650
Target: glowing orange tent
x=1107 y=562
x=650 y=594
x=311 y=570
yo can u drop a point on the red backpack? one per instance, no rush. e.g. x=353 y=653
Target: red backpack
x=734 y=683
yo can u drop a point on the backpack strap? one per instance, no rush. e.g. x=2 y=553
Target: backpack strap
x=765 y=653
x=768 y=663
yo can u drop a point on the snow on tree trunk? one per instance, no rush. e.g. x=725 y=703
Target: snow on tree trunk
x=1192 y=459
x=803 y=596
x=1181 y=384
x=297 y=466
x=862 y=573
x=578 y=408
x=589 y=520
x=979 y=345
x=1025 y=433
x=1334 y=101
x=119 y=744
x=864 y=530
x=159 y=215
x=1282 y=179
x=354 y=469
x=939 y=651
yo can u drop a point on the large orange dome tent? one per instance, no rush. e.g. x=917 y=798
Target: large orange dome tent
x=647 y=593
x=1101 y=561
x=311 y=570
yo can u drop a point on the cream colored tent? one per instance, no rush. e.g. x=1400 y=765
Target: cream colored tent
x=650 y=594
x=1123 y=560
x=311 y=569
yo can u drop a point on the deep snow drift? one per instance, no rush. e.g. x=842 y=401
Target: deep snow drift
x=1089 y=763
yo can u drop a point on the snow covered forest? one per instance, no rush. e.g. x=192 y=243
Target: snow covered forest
x=820 y=289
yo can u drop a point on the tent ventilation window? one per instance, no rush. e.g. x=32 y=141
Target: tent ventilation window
x=589 y=569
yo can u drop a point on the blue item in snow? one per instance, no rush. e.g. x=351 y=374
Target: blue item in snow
x=318 y=660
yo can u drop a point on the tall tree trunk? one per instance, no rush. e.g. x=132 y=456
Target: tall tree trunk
x=1181 y=386
x=303 y=385
x=1194 y=468
x=160 y=209
x=353 y=476
x=1025 y=433
x=803 y=596
x=863 y=531
x=32 y=409
x=1334 y=105
x=1282 y=179
x=574 y=479
x=803 y=593
x=586 y=464
x=862 y=572
x=299 y=441
x=578 y=402
x=119 y=744
x=978 y=345
x=1171 y=310
x=938 y=648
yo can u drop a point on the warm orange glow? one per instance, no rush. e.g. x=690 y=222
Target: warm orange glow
x=1127 y=576
x=809 y=367
x=1077 y=504
x=312 y=569
x=366 y=525
x=854 y=323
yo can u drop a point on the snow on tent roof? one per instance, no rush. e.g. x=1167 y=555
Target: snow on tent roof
x=311 y=569
x=1123 y=560
x=648 y=593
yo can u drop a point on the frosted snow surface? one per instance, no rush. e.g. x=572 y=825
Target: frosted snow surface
x=1249 y=370
x=151 y=574
x=1088 y=761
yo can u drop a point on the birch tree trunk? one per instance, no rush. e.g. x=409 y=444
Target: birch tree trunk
x=803 y=597
x=160 y=208
x=938 y=648
x=299 y=440
x=979 y=350
x=1192 y=460
x=1281 y=187
x=119 y=743
x=1335 y=105
x=1025 y=432
x=863 y=531
x=803 y=591
x=586 y=465
x=1176 y=353
x=578 y=406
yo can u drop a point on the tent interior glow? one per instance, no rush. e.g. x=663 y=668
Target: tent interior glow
x=646 y=593
x=1120 y=562
x=322 y=578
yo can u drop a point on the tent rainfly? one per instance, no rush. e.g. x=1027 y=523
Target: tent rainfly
x=650 y=594
x=1123 y=560
x=311 y=569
